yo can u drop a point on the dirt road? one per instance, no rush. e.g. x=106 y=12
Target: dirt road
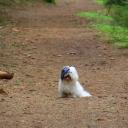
x=36 y=45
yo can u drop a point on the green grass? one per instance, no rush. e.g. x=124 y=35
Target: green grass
x=117 y=34
x=100 y=2
x=113 y=32
x=95 y=16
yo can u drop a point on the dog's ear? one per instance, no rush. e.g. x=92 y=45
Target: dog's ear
x=74 y=71
x=73 y=68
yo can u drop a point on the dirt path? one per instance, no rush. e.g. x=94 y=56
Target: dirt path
x=41 y=40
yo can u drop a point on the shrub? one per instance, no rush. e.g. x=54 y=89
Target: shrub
x=50 y=1
x=115 y=2
x=118 y=9
x=120 y=15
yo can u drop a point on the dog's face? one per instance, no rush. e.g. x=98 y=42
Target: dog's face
x=69 y=74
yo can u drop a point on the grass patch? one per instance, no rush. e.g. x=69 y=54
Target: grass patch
x=117 y=34
x=106 y=25
x=101 y=2
x=95 y=16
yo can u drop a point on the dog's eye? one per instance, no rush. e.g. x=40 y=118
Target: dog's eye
x=64 y=71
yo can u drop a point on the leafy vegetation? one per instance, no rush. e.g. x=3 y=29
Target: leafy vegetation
x=100 y=2
x=120 y=15
x=118 y=9
x=113 y=22
x=116 y=34
x=50 y=1
x=114 y=2
x=95 y=16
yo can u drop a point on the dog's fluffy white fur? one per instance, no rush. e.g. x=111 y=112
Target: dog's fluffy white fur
x=71 y=87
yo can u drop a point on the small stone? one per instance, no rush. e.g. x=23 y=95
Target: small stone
x=59 y=55
x=112 y=58
x=72 y=53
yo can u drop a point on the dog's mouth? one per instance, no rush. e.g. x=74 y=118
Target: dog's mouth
x=67 y=77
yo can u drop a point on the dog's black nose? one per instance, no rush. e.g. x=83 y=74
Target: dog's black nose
x=64 y=71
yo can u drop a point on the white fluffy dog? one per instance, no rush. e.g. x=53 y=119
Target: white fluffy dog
x=69 y=84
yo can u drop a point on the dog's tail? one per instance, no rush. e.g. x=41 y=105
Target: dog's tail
x=86 y=94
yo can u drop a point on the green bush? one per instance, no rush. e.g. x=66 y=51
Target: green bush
x=120 y=15
x=118 y=9
x=50 y=1
x=115 y=2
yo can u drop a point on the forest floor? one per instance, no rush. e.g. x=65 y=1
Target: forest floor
x=38 y=42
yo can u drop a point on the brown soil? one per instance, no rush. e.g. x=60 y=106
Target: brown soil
x=38 y=43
